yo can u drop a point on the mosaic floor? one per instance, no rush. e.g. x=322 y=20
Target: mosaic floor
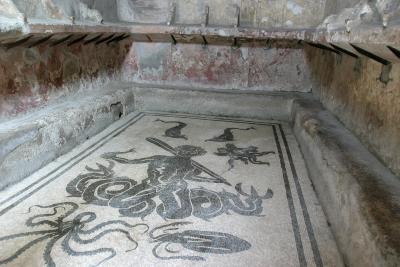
x=159 y=189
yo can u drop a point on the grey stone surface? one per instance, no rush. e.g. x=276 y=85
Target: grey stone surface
x=11 y=18
x=143 y=11
x=263 y=14
x=239 y=103
x=360 y=196
x=291 y=13
x=58 y=10
x=30 y=142
x=351 y=14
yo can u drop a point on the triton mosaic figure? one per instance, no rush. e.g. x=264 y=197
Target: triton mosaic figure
x=168 y=178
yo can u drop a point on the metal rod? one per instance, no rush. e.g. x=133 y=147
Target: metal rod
x=17 y=43
x=148 y=38
x=78 y=40
x=235 y=42
x=105 y=39
x=394 y=50
x=206 y=16
x=123 y=38
x=344 y=51
x=40 y=41
x=115 y=39
x=204 y=40
x=237 y=16
x=173 y=39
x=370 y=55
x=94 y=39
x=323 y=47
x=62 y=40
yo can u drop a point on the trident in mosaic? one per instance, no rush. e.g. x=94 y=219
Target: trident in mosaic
x=170 y=149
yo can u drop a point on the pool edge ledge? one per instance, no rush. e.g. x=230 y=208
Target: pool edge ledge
x=359 y=195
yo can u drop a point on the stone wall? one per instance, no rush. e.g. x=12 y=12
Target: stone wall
x=30 y=77
x=278 y=68
x=354 y=13
x=269 y=13
x=351 y=89
x=335 y=6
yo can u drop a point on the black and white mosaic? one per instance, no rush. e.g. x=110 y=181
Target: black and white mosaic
x=246 y=155
x=168 y=182
x=227 y=136
x=142 y=193
x=174 y=132
x=63 y=232
x=200 y=241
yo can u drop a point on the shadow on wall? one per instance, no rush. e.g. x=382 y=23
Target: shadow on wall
x=30 y=77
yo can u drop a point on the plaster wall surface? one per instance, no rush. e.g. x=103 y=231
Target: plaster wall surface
x=30 y=77
x=219 y=67
x=352 y=91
